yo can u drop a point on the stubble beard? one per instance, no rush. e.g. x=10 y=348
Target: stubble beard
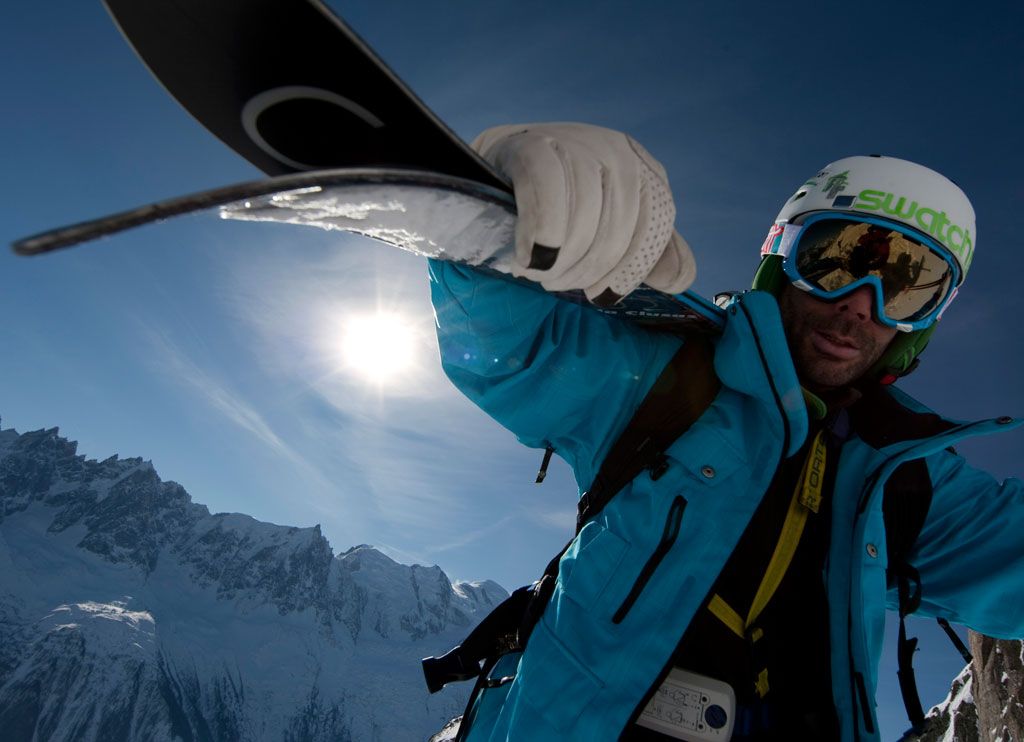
x=816 y=370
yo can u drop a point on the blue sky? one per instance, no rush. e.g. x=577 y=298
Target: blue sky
x=212 y=348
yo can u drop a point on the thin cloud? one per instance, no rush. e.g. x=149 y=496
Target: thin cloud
x=231 y=406
x=324 y=483
x=472 y=537
x=559 y=520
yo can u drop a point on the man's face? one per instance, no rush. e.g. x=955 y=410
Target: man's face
x=832 y=343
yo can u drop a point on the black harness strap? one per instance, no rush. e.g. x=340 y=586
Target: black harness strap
x=908 y=495
x=905 y=647
x=495 y=635
x=957 y=641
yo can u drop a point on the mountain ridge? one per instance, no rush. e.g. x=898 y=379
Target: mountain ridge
x=218 y=626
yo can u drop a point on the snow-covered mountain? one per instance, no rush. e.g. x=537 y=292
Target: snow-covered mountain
x=956 y=718
x=129 y=612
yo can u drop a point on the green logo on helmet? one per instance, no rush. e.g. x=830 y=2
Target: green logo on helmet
x=936 y=223
x=837 y=183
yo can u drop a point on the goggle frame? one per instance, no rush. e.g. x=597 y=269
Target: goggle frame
x=785 y=243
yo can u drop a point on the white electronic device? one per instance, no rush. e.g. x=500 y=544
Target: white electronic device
x=691 y=707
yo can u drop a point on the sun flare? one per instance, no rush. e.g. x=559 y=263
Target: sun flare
x=378 y=347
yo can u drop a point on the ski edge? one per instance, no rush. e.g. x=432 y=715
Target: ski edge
x=93 y=229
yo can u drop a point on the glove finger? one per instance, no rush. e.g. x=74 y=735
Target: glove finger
x=582 y=203
x=542 y=195
x=676 y=270
x=649 y=241
x=602 y=224
x=485 y=140
x=528 y=160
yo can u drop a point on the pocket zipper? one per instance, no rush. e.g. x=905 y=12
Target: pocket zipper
x=668 y=538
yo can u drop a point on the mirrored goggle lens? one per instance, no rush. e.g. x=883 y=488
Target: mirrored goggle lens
x=833 y=253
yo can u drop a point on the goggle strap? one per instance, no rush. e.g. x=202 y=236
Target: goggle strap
x=944 y=307
x=790 y=233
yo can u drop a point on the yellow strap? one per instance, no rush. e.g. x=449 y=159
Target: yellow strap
x=806 y=497
x=813 y=476
x=761 y=686
x=727 y=615
x=792 y=529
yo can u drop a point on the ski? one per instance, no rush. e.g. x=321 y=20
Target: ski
x=290 y=87
x=433 y=215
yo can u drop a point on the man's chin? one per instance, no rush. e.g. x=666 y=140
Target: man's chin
x=825 y=374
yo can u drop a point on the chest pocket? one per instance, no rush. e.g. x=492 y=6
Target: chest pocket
x=589 y=564
x=703 y=456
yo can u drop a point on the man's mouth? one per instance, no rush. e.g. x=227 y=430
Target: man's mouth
x=834 y=346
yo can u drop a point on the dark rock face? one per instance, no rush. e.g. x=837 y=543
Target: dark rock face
x=128 y=612
x=998 y=671
x=986 y=700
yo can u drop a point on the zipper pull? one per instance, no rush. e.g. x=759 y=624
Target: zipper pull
x=543 y=472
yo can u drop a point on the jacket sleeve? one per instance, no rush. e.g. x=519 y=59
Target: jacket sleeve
x=553 y=372
x=970 y=552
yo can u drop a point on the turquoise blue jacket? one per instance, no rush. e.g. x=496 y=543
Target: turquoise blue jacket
x=561 y=375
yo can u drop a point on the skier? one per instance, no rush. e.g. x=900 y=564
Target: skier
x=740 y=585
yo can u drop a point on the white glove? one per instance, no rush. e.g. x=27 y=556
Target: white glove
x=595 y=210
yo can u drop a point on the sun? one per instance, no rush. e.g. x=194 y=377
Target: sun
x=378 y=347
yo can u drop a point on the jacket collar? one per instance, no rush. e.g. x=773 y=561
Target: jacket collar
x=753 y=358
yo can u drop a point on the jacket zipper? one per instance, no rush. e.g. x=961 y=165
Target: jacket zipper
x=668 y=538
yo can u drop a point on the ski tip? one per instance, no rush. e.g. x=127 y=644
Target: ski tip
x=29 y=246
x=39 y=244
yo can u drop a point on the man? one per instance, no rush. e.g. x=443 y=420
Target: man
x=739 y=587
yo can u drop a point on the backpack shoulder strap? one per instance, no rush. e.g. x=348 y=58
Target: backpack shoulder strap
x=682 y=392
x=908 y=496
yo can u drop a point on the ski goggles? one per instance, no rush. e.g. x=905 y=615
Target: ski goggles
x=832 y=254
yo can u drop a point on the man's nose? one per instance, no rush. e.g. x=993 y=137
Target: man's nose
x=858 y=303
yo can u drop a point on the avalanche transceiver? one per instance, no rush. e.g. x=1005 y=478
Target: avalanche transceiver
x=691 y=707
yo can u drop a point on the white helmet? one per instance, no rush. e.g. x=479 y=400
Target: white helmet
x=882 y=188
x=892 y=189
